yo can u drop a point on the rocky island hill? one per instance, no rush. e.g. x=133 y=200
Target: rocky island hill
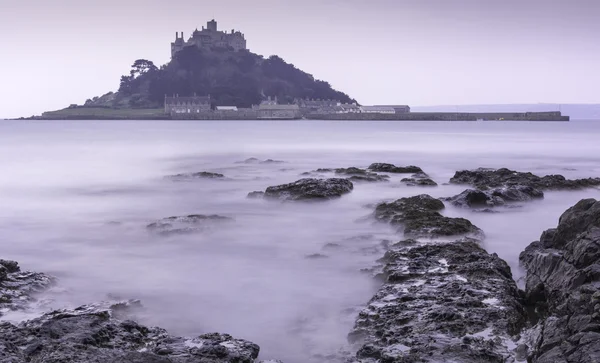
x=213 y=75
x=226 y=75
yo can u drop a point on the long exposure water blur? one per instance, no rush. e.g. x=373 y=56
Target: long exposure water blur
x=77 y=196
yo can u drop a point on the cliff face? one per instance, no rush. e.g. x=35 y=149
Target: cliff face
x=231 y=78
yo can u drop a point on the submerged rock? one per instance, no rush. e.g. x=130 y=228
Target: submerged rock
x=563 y=285
x=361 y=175
x=419 y=216
x=310 y=189
x=18 y=288
x=352 y=173
x=390 y=168
x=495 y=197
x=258 y=161
x=98 y=335
x=199 y=175
x=421 y=182
x=187 y=224
x=440 y=302
x=493 y=178
x=256 y=195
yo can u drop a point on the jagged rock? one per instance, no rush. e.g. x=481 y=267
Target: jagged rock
x=97 y=335
x=483 y=178
x=440 y=302
x=17 y=288
x=563 y=285
x=495 y=197
x=419 y=216
x=310 y=189
x=199 y=175
x=422 y=182
x=390 y=168
x=187 y=224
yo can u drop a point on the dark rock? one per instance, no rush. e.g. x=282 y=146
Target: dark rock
x=18 y=288
x=493 y=178
x=310 y=189
x=440 y=302
x=92 y=334
x=495 y=197
x=390 y=168
x=563 y=286
x=200 y=175
x=422 y=182
x=188 y=224
x=256 y=195
x=361 y=175
x=419 y=216
x=271 y=161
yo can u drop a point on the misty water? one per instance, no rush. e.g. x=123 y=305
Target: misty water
x=76 y=197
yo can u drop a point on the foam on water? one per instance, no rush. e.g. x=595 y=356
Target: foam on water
x=76 y=197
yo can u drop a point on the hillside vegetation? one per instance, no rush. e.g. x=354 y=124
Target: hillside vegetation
x=230 y=78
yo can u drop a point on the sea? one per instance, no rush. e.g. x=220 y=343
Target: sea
x=76 y=197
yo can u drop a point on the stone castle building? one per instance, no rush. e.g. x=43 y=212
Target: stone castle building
x=210 y=37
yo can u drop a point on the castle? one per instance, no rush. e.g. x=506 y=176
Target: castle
x=210 y=37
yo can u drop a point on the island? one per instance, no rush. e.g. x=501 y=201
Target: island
x=213 y=76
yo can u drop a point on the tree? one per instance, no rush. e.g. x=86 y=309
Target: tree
x=141 y=67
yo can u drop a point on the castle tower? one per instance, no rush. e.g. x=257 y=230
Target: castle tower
x=212 y=25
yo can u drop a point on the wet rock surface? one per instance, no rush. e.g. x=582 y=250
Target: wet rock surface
x=199 y=175
x=563 y=285
x=309 y=189
x=483 y=178
x=419 y=216
x=391 y=168
x=472 y=198
x=194 y=223
x=442 y=300
x=18 y=288
x=102 y=335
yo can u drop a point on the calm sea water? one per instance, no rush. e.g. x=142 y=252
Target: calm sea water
x=76 y=197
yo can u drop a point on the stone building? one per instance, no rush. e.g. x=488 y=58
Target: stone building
x=269 y=109
x=377 y=109
x=210 y=37
x=187 y=105
x=398 y=108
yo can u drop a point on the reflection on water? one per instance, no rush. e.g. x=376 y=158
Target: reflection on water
x=77 y=196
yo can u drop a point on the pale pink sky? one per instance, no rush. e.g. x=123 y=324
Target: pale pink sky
x=417 y=52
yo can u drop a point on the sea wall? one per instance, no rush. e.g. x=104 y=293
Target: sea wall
x=442 y=116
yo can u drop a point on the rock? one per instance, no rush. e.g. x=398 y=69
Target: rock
x=257 y=161
x=256 y=195
x=97 y=335
x=18 y=288
x=200 y=175
x=271 y=161
x=185 y=225
x=440 y=302
x=419 y=216
x=422 y=182
x=493 y=178
x=390 y=168
x=361 y=175
x=310 y=189
x=562 y=284
x=495 y=197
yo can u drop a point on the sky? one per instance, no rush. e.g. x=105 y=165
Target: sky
x=418 y=52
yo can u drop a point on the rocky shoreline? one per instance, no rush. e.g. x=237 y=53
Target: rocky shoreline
x=442 y=298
